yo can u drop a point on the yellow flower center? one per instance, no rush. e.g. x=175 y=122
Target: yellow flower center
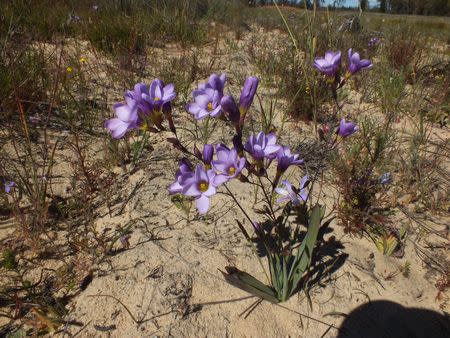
x=203 y=186
x=157 y=99
x=82 y=60
x=144 y=126
x=210 y=107
x=69 y=69
x=231 y=171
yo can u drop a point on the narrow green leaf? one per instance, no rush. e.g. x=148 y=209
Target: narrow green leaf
x=250 y=284
x=304 y=253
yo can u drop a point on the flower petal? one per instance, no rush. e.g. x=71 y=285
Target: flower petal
x=202 y=204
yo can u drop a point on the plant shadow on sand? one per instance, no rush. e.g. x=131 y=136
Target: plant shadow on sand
x=385 y=319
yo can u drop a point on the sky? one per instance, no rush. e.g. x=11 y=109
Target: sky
x=353 y=3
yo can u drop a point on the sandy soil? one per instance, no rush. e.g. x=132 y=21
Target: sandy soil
x=168 y=283
x=169 y=279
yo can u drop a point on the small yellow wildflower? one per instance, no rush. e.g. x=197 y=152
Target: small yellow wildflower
x=83 y=60
x=69 y=69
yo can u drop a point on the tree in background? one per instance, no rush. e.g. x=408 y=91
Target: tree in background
x=363 y=4
x=423 y=7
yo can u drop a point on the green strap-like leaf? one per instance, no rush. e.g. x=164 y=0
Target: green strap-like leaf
x=250 y=284
x=304 y=253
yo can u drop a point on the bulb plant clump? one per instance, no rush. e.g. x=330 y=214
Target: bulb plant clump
x=288 y=233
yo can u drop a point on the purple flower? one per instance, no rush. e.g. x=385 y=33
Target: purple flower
x=138 y=94
x=73 y=18
x=228 y=165
x=386 y=178
x=288 y=193
x=127 y=118
x=347 y=128
x=183 y=173
x=261 y=146
x=329 y=64
x=206 y=102
x=35 y=119
x=285 y=159
x=8 y=186
x=208 y=152
x=201 y=186
x=257 y=227
x=125 y=240
x=230 y=108
x=356 y=64
x=247 y=94
x=215 y=82
x=373 y=42
x=160 y=94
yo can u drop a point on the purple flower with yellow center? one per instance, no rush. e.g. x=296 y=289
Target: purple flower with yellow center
x=228 y=164
x=289 y=193
x=8 y=185
x=285 y=159
x=183 y=173
x=200 y=186
x=247 y=94
x=328 y=65
x=127 y=118
x=347 y=128
x=215 y=82
x=159 y=93
x=262 y=145
x=356 y=64
x=206 y=103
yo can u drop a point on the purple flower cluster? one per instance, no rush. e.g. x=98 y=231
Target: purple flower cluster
x=202 y=182
x=142 y=106
x=209 y=100
x=265 y=146
x=331 y=62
